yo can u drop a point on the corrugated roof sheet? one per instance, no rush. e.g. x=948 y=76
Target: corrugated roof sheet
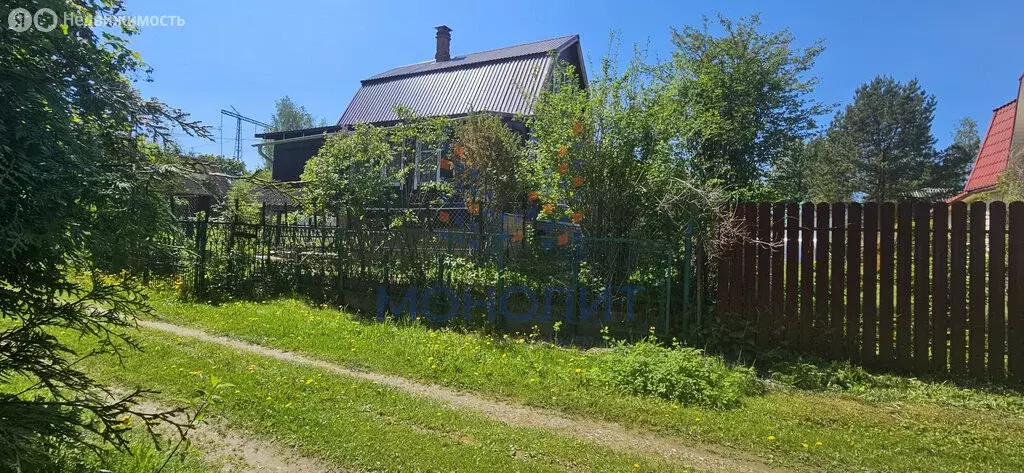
x=519 y=50
x=995 y=150
x=505 y=80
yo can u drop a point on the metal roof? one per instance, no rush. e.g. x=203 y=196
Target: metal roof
x=995 y=150
x=505 y=80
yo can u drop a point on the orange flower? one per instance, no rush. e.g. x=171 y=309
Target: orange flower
x=562 y=168
x=577 y=128
x=473 y=208
x=563 y=239
x=577 y=181
x=533 y=196
x=563 y=151
x=549 y=208
x=577 y=217
x=460 y=151
x=446 y=164
x=517 y=237
x=443 y=216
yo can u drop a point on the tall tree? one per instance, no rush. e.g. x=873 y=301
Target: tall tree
x=948 y=173
x=74 y=157
x=888 y=126
x=736 y=100
x=289 y=115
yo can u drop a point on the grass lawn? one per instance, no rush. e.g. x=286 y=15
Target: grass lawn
x=929 y=427
x=347 y=422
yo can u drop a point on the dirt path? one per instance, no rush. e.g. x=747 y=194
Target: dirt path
x=235 y=451
x=607 y=434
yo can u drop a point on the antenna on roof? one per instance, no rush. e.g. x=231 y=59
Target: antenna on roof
x=239 y=118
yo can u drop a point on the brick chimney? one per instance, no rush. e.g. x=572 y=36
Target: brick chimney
x=444 y=42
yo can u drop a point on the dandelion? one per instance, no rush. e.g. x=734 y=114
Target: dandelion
x=579 y=370
x=309 y=381
x=805 y=445
x=636 y=466
x=771 y=438
x=818 y=443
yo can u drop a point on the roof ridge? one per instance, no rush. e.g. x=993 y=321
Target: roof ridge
x=1007 y=104
x=515 y=46
x=456 y=61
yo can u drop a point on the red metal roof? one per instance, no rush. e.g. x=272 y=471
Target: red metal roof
x=995 y=150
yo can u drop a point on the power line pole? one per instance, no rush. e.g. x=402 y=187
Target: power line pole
x=239 y=118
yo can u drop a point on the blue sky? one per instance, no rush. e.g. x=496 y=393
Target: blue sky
x=248 y=54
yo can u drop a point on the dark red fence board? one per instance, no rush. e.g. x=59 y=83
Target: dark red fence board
x=792 y=274
x=824 y=220
x=922 y=305
x=904 y=234
x=958 y=289
x=869 y=324
x=806 y=276
x=853 y=268
x=837 y=304
x=763 y=252
x=976 y=294
x=996 y=290
x=1015 y=302
x=886 y=283
x=940 y=285
x=778 y=285
x=750 y=265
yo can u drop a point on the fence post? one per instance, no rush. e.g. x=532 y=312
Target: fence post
x=201 y=227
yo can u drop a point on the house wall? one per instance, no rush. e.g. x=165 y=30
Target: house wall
x=290 y=158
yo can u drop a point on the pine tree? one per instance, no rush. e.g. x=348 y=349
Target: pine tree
x=888 y=126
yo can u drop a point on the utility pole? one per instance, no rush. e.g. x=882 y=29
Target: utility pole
x=239 y=118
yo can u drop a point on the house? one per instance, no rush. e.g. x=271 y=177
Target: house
x=1004 y=138
x=504 y=81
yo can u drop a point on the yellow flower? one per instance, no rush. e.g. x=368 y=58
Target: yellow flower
x=636 y=466
x=805 y=445
x=817 y=444
x=771 y=438
x=579 y=370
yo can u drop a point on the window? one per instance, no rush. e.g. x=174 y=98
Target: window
x=427 y=165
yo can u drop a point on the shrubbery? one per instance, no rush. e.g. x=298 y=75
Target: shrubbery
x=679 y=374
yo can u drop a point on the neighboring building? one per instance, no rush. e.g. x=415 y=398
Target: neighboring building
x=505 y=81
x=201 y=190
x=1004 y=138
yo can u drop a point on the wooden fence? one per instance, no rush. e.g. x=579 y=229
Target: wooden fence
x=913 y=287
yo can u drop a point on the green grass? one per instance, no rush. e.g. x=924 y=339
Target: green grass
x=141 y=456
x=924 y=428
x=348 y=422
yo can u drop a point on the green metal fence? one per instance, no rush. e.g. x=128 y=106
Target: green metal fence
x=547 y=278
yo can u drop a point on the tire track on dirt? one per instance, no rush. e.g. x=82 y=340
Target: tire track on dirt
x=606 y=434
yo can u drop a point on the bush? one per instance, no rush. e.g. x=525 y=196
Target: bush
x=833 y=376
x=679 y=374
